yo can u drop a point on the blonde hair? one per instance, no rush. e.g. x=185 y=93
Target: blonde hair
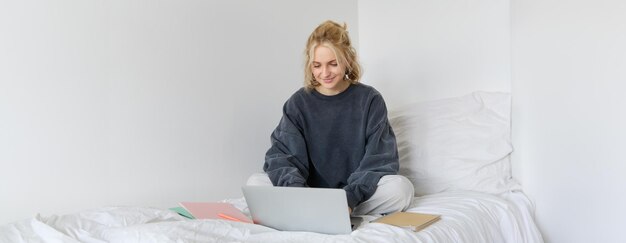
x=335 y=37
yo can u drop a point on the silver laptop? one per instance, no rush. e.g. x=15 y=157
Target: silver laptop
x=318 y=210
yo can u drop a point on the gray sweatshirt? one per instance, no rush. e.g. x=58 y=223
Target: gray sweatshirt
x=341 y=141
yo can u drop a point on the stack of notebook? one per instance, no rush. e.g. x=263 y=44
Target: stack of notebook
x=211 y=210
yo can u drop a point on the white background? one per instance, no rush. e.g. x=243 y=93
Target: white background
x=151 y=103
x=143 y=102
x=569 y=115
x=422 y=50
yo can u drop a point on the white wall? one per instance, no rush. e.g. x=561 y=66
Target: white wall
x=143 y=102
x=424 y=50
x=569 y=111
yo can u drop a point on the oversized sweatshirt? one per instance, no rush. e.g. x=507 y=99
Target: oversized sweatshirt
x=341 y=141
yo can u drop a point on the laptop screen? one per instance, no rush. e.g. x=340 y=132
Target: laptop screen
x=320 y=210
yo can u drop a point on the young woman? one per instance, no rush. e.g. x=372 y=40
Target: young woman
x=334 y=132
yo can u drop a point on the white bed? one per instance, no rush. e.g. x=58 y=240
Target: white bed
x=455 y=151
x=467 y=217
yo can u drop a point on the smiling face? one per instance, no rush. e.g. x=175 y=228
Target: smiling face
x=328 y=71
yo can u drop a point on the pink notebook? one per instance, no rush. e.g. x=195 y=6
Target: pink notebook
x=215 y=210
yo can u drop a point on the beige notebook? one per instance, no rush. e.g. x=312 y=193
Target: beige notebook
x=414 y=221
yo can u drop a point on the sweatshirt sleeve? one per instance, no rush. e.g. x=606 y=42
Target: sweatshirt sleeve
x=286 y=162
x=381 y=155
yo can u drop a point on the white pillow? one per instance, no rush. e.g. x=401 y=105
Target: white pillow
x=459 y=143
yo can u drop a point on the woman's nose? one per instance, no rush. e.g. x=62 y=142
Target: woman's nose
x=325 y=71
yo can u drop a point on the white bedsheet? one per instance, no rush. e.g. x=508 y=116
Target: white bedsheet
x=466 y=217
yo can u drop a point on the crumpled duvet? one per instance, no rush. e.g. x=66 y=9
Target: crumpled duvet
x=466 y=217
